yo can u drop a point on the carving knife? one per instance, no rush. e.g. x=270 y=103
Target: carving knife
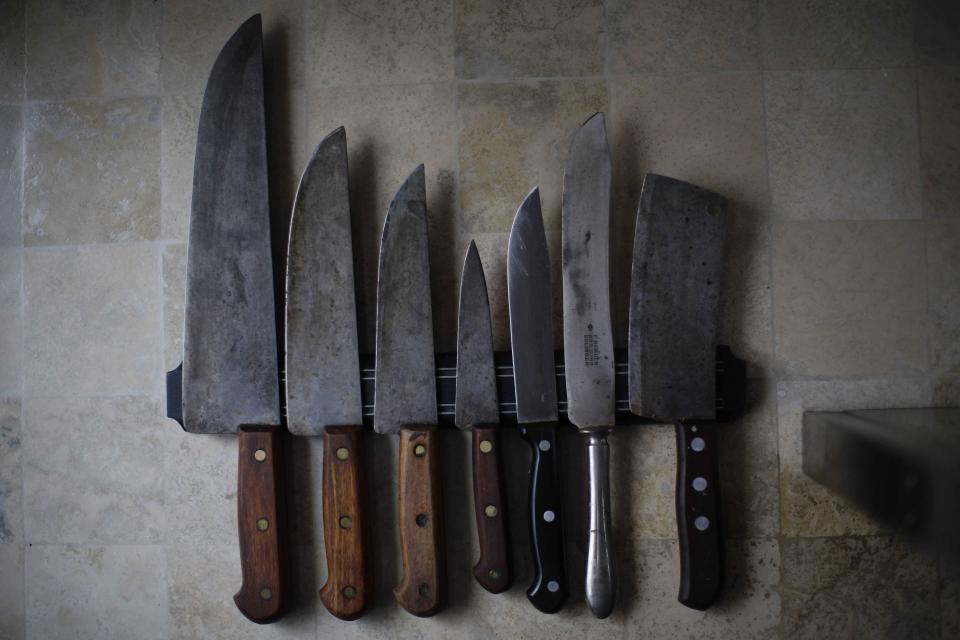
x=587 y=337
x=323 y=363
x=476 y=409
x=674 y=301
x=230 y=371
x=405 y=397
x=531 y=337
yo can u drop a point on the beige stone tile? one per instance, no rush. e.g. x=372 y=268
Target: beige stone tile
x=647 y=464
x=11 y=51
x=745 y=301
x=93 y=470
x=11 y=481
x=194 y=33
x=531 y=39
x=98 y=48
x=943 y=254
x=936 y=24
x=390 y=130
x=129 y=601
x=174 y=301
x=514 y=137
x=11 y=329
x=11 y=591
x=939 y=94
x=178 y=146
x=371 y=42
x=92 y=172
x=808 y=509
x=677 y=36
x=849 y=299
x=824 y=34
x=92 y=320
x=857 y=587
x=11 y=174
x=945 y=331
x=843 y=145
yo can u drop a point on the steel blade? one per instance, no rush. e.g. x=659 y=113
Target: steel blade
x=531 y=314
x=476 y=402
x=230 y=372
x=587 y=327
x=322 y=354
x=406 y=391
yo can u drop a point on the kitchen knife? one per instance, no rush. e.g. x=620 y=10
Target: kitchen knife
x=476 y=409
x=405 y=398
x=323 y=363
x=677 y=265
x=587 y=336
x=531 y=337
x=230 y=371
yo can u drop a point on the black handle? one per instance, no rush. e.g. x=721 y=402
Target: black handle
x=698 y=514
x=549 y=588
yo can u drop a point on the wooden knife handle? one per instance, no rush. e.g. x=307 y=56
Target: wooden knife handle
x=493 y=570
x=422 y=588
x=262 y=595
x=698 y=514
x=345 y=592
x=549 y=588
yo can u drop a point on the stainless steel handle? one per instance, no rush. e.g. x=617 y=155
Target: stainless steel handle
x=600 y=585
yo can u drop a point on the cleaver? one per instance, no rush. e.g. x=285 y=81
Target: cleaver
x=674 y=301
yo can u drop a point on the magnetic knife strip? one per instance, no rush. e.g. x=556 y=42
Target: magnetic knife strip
x=731 y=388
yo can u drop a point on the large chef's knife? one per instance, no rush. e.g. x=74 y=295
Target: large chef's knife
x=531 y=337
x=323 y=363
x=476 y=409
x=677 y=265
x=230 y=372
x=587 y=336
x=405 y=398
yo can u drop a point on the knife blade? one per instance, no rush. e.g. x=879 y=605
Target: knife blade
x=531 y=337
x=405 y=397
x=323 y=363
x=476 y=409
x=588 y=339
x=230 y=371
x=674 y=308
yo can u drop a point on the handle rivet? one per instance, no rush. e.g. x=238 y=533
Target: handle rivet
x=486 y=446
x=544 y=445
x=263 y=524
x=422 y=520
x=424 y=590
x=699 y=483
x=702 y=523
x=549 y=516
x=259 y=455
x=494 y=574
x=698 y=444
x=419 y=451
x=349 y=593
x=265 y=593
x=346 y=522
x=553 y=586
x=490 y=511
x=343 y=453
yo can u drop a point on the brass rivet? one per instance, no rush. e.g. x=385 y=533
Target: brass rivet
x=419 y=451
x=349 y=593
x=343 y=453
x=263 y=524
x=259 y=455
x=265 y=593
x=494 y=574
x=486 y=446
x=346 y=522
x=490 y=510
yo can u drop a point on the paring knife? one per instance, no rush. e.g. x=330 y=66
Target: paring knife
x=323 y=363
x=476 y=409
x=231 y=379
x=587 y=337
x=531 y=337
x=405 y=399
x=677 y=265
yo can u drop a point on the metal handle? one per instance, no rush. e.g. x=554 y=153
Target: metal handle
x=600 y=584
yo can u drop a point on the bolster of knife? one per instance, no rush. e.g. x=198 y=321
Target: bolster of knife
x=698 y=514
x=262 y=595
x=422 y=589
x=493 y=569
x=345 y=592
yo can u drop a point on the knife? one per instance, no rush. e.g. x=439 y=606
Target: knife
x=674 y=301
x=230 y=372
x=531 y=337
x=476 y=409
x=587 y=336
x=405 y=397
x=323 y=363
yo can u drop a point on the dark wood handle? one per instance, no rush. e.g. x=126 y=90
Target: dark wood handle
x=422 y=589
x=549 y=588
x=345 y=592
x=262 y=595
x=698 y=514
x=493 y=570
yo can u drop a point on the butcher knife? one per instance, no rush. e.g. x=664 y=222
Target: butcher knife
x=476 y=409
x=405 y=397
x=677 y=266
x=587 y=337
x=231 y=380
x=531 y=337
x=323 y=363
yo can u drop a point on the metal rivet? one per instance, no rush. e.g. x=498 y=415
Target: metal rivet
x=699 y=484
x=343 y=453
x=346 y=522
x=263 y=524
x=693 y=429
x=424 y=590
x=419 y=451
x=422 y=520
x=702 y=523
x=490 y=511
x=544 y=445
x=486 y=446
x=549 y=516
x=349 y=593
x=553 y=586
x=494 y=574
x=265 y=593
x=698 y=444
x=259 y=455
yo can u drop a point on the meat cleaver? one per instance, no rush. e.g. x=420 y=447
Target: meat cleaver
x=674 y=300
